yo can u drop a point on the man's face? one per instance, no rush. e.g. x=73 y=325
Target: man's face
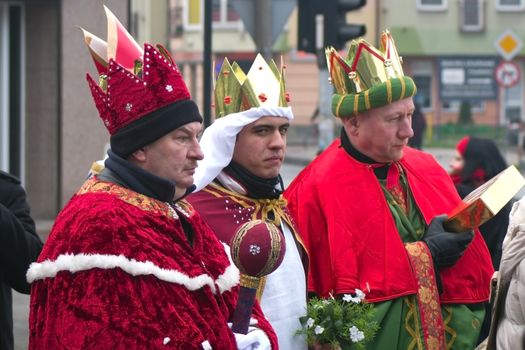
x=174 y=156
x=383 y=132
x=261 y=145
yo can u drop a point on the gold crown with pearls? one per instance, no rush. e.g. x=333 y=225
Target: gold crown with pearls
x=262 y=86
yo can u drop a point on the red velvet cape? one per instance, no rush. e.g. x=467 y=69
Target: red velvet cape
x=117 y=272
x=351 y=236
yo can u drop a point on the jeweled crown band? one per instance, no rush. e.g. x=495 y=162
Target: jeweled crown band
x=346 y=105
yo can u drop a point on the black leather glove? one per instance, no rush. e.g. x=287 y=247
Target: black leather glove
x=446 y=247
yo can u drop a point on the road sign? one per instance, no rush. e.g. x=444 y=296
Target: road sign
x=507 y=74
x=467 y=78
x=508 y=44
x=281 y=10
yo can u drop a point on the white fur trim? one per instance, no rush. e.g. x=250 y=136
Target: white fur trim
x=83 y=262
x=231 y=276
x=218 y=140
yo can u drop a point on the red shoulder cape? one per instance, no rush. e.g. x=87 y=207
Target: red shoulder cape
x=351 y=237
x=226 y=210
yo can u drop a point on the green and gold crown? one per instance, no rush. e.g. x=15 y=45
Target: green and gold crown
x=236 y=91
x=368 y=78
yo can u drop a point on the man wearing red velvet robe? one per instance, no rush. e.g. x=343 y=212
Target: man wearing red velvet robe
x=369 y=210
x=129 y=264
x=239 y=177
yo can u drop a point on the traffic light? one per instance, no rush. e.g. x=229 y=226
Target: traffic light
x=307 y=10
x=336 y=31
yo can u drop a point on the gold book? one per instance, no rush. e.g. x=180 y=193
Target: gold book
x=485 y=201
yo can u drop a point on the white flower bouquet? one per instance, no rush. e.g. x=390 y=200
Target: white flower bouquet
x=341 y=323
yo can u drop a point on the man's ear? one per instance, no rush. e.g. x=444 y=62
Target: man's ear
x=351 y=124
x=139 y=155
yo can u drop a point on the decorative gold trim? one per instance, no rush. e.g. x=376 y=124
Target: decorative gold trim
x=427 y=296
x=448 y=330
x=367 y=100
x=261 y=207
x=275 y=250
x=356 y=104
x=416 y=342
x=403 y=88
x=341 y=99
x=389 y=91
x=138 y=200
x=249 y=281
x=260 y=289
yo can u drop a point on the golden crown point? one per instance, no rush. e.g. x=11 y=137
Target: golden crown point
x=263 y=86
x=365 y=66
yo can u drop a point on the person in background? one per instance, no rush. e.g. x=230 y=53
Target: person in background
x=476 y=161
x=19 y=247
x=370 y=211
x=129 y=264
x=518 y=129
x=419 y=125
x=507 y=329
x=243 y=153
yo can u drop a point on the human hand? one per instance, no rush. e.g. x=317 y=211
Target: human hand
x=256 y=339
x=446 y=247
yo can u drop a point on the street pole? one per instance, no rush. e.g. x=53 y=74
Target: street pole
x=325 y=125
x=207 y=69
x=263 y=29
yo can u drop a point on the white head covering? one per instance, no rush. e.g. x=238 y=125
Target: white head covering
x=218 y=140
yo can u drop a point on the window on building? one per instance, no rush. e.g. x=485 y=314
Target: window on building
x=432 y=5
x=472 y=15
x=223 y=14
x=453 y=106
x=11 y=88
x=176 y=21
x=193 y=12
x=510 y=5
x=424 y=91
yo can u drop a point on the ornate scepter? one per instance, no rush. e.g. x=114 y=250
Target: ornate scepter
x=257 y=249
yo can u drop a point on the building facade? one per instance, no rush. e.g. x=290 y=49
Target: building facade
x=50 y=132
x=453 y=50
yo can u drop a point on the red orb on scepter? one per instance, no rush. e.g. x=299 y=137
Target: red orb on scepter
x=257 y=249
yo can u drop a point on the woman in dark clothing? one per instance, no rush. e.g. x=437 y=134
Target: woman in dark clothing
x=477 y=160
x=19 y=247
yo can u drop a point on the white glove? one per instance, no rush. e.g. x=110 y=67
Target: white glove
x=255 y=339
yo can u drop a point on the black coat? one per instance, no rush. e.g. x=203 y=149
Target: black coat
x=19 y=246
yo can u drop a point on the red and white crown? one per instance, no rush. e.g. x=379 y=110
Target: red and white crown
x=132 y=82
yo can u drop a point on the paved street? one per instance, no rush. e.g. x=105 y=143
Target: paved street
x=20 y=317
x=296 y=159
